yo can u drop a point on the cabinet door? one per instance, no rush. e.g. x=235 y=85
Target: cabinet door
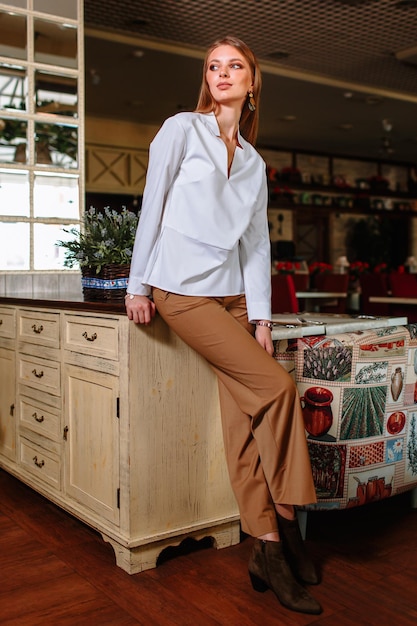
x=92 y=440
x=7 y=404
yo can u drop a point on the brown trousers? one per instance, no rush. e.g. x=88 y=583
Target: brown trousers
x=263 y=429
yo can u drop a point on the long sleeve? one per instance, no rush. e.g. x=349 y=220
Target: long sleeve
x=256 y=261
x=165 y=155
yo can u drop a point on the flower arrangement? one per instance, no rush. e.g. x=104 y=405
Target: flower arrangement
x=320 y=268
x=357 y=268
x=106 y=238
x=381 y=268
x=287 y=267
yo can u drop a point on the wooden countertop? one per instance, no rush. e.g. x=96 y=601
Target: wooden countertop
x=73 y=303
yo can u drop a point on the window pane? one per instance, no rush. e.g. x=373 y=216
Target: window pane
x=64 y=8
x=14 y=193
x=56 y=196
x=22 y=4
x=13 y=36
x=56 y=94
x=56 y=145
x=55 y=44
x=14 y=246
x=13 y=87
x=47 y=254
x=13 y=141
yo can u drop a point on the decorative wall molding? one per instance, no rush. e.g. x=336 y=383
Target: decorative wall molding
x=115 y=169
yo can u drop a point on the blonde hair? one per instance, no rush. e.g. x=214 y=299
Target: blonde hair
x=249 y=120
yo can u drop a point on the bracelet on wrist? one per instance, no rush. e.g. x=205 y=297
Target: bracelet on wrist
x=267 y=324
x=130 y=296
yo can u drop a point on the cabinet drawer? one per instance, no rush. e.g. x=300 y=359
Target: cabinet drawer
x=93 y=336
x=39 y=462
x=7 y=323
x=40 y=373
x=39 y=327
x=39 y=418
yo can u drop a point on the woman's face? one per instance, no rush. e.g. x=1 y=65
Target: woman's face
x=228 y=75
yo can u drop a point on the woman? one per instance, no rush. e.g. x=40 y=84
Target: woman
x=202 y=253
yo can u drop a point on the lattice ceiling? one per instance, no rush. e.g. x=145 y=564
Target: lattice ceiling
x=352 y=40
x=366 y=47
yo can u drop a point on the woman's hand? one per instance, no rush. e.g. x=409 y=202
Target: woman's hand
x=140 y=309
x=263 y=336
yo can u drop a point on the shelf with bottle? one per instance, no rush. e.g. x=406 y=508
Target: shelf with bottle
x=337 y=203
x=289 y=187
x=333 y=197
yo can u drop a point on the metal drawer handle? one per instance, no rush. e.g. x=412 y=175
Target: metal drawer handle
x=38 y=463
x=38 y=419
x=92 y=338
x=36 y=373
x=37 y=329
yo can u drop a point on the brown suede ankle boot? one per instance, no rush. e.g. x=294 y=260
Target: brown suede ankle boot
x=295 y=551
x=268 y=569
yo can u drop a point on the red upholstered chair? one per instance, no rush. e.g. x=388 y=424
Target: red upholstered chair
x=403 y=285
x=336 y=283
x=373 y=284
x=284 y=299
x=301 y=281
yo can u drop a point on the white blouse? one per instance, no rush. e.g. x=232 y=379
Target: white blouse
x=202 y=232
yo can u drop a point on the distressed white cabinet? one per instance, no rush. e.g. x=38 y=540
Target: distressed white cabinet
x=7 y=384
x=117 y=424
x=92 y=412
x=39 y=398
x=7 y=404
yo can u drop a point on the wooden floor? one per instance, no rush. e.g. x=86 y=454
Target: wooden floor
x=56 y=571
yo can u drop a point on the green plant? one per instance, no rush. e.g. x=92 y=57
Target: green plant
x=106 y=238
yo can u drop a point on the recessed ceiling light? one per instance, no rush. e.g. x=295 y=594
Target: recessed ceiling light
x=138 y=54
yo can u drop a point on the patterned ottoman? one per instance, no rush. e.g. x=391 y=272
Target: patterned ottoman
x=359 y=397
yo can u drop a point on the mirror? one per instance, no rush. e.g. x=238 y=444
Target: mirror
x=56 y=144
x=55 y=94
x=13 y=140
x=63 y=8
x=55 y=44
x=13 y=87
x=13 y=35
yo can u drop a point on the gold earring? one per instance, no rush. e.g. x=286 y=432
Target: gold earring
x=251 y=103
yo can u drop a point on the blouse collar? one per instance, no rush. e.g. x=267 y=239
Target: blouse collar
x=211 y=121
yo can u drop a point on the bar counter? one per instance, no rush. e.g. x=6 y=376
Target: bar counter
x=73 y=302
x=119 y=424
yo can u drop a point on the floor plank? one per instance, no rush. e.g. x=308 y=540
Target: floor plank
x=56 y=571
